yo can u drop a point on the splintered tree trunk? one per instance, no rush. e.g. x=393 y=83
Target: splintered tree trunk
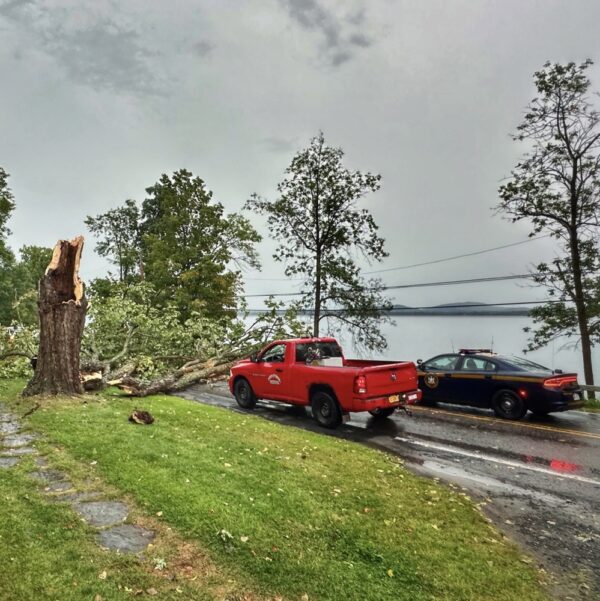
x=61 y=305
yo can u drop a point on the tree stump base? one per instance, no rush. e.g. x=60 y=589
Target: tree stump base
x=62 y=306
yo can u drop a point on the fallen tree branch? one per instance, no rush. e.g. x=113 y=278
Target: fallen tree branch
x=178 y=380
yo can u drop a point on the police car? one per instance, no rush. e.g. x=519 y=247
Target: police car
x=509 y=385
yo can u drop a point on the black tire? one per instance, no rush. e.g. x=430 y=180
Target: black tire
x=243 y=393
x=381 y=413
x=508 y=405
x=326 y=410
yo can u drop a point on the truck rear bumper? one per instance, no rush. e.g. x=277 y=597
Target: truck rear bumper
x=403 y=398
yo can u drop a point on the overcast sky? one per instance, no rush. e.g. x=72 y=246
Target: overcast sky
x=98 y=99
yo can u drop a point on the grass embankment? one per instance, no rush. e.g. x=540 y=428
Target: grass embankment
x=592 y=405
x=284 y=511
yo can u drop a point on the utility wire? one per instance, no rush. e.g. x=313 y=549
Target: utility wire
x=498 y=278
x=433 y=262
x=470 y=254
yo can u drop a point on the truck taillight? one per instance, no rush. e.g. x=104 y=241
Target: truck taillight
x=560 y=382
x=360 y=385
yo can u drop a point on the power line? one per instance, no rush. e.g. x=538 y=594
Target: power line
x=470 y=254
x=498 y=278
x=433 y=262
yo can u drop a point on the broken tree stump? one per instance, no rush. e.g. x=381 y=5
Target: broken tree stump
x=61 y=306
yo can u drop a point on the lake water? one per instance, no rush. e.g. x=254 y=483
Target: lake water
x=422 y=337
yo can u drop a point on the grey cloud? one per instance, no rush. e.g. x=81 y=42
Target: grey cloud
x=360 y=39
x=203 y=48
x=103 y=54
x=13 y=8
x=339 y=34
x=277 y=144
x=339 y=58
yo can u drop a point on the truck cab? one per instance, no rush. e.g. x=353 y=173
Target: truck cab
x=315 y=372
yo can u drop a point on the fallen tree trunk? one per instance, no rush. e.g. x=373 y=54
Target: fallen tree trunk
x=179 y=380
x=62 y=306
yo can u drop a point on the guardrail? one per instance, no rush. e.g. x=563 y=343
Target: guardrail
x=590 y=389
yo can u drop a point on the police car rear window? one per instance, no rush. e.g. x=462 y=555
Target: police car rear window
x=525 y=364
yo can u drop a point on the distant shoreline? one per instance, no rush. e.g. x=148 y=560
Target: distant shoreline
x=459 y=310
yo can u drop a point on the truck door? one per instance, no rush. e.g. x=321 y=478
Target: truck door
x=271 y=377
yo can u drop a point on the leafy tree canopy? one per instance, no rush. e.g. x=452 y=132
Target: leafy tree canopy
x=118 y=233
x=182 y=243
x=556 y=187
x=126 y=327
x=321 y=230
x=7 y=258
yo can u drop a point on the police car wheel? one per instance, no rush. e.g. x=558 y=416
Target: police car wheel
x=326 y=410
x=381 y=413
x=244 y=395
x=508 y=405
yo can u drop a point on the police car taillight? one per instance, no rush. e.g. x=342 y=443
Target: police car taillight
x=560 y=382
x=360 y=385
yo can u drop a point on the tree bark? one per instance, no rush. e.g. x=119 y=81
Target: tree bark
x=62 y=306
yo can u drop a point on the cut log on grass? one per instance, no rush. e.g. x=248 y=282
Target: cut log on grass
x=61 y=306
x=141 y=417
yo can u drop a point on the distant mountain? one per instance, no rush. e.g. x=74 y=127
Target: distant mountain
x=450 y=309
x=466 y=308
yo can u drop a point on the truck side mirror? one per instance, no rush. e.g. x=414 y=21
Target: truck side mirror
x=254 y=358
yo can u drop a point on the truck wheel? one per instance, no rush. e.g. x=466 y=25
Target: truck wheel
x=326 y=410
x=244 y=395
x=381 y=413
x=508 y=405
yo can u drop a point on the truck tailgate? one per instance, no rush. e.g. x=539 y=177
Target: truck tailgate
x=384 y=380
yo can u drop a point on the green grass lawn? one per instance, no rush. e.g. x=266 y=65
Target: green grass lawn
x=592 y=405
x=283 y=511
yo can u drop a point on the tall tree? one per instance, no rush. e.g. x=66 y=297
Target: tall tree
x=7 y=258
x=321 y=229
x=118 y=234
x=191 y=247
x=556 y=186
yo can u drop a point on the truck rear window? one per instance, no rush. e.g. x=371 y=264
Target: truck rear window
x=317 y=350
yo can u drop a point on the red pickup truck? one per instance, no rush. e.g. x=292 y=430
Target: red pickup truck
x=314 y=371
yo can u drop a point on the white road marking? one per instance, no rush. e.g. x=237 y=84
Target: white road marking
x=514 y=464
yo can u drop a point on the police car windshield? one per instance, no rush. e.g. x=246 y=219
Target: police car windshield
x=524 y=363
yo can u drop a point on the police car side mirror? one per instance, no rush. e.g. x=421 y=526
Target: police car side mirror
x=419 y=361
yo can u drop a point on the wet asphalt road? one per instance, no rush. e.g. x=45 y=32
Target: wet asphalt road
x=539 y=478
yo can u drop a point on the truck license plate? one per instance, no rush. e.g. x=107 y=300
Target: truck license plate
x=394 y=398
